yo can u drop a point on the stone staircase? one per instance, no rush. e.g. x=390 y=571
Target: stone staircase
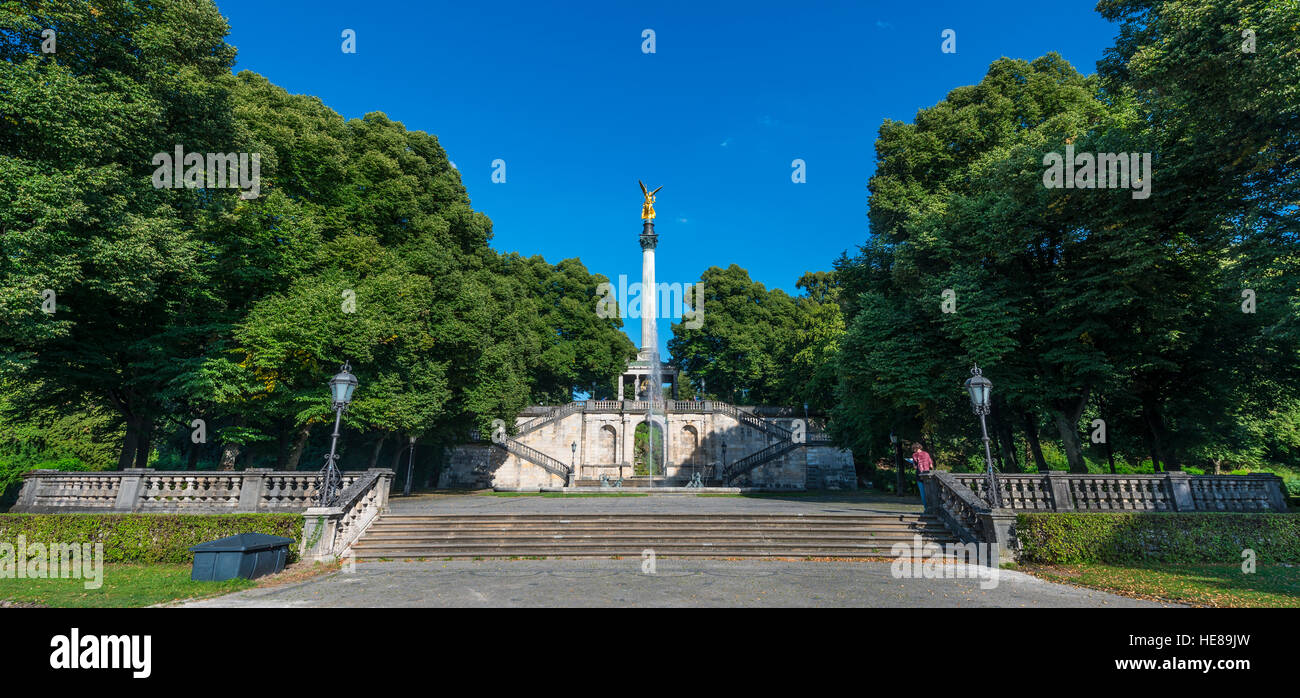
x=417 y=536
x=535 y=457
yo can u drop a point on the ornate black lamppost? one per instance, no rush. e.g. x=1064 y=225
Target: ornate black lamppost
x=981 y=393
x=573 y=469
x=341 y=387
x=724 y=459
x=898 y=464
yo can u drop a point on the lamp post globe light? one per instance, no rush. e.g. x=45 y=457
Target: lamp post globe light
x=981 y=394
x=342 y=386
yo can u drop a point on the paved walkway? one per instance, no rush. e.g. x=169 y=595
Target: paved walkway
x=675 y=583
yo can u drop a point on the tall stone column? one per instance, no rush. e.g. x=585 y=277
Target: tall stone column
x=649 y=294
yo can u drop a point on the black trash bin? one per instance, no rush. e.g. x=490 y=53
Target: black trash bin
x=247 y=555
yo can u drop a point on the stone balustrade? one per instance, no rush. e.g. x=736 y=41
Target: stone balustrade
x=328 y=532
x=961 y=501
x=142 y=490
x=1171 y=491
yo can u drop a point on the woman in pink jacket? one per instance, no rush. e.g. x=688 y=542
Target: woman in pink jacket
x=924 y=463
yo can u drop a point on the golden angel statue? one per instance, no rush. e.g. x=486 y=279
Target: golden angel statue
x=648 y=208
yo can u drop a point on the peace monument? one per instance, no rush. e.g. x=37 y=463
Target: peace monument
x=593 y=443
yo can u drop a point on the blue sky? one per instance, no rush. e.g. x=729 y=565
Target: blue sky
x=732 y=95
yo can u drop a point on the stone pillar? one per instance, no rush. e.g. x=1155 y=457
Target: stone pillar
x=1058 y=484
x=319 y=530
x=32 y=485
x=382 y=487
x=1180 y=490
x=931 y=486
x=130 y=491
x=999 y=530
x=250 y=490
x=649 y=294
x=624 y=444
x=1274 y=485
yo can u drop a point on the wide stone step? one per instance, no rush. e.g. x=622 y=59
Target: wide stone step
x=629 y=552
x=405 y=536
x=386 y=534
x=608 y=536
x=667 y=518
x=657 y=529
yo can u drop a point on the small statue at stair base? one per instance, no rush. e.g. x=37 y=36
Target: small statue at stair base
x=606 y=482
x=696 y=481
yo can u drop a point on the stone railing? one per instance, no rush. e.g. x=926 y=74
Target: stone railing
x=328 y=532
x=555 y=414
x=536 y=457
x=967 y=514
x=961 y=501
x=1171 y=491
x=757 y=458
x=748 y=419
x=143 y=490
x=1259 y=492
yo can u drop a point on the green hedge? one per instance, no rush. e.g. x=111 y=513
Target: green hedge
x=1116 y=538
x=146 y=537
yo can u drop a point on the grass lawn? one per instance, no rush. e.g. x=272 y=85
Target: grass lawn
x=1219 y=586
x=124 y=586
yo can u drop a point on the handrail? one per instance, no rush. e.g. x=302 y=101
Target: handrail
x=556 y=414
x=960 y=508
x=748 y=419
x=757 y=458
x=536 y=457
x=328 y=532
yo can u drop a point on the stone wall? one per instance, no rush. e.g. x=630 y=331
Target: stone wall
x=600 y=441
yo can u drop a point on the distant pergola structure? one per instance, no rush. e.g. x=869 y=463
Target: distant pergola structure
x=639 y=371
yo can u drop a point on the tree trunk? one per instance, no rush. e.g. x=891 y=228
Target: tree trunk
x=1161 y=444
x=193 y=462
x=130 y=441
x=403 y=444
x=299 y=445
x=1151 y=450
x=1066 y=414
x=282 y=448
x=144 y=444
x=1035 y=449
x=229 y=454
x=379 y=446
x=1006 y=439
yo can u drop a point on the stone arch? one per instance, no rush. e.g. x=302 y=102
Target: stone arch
x=649 y=436
x=689 y=440
x=607 y=446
